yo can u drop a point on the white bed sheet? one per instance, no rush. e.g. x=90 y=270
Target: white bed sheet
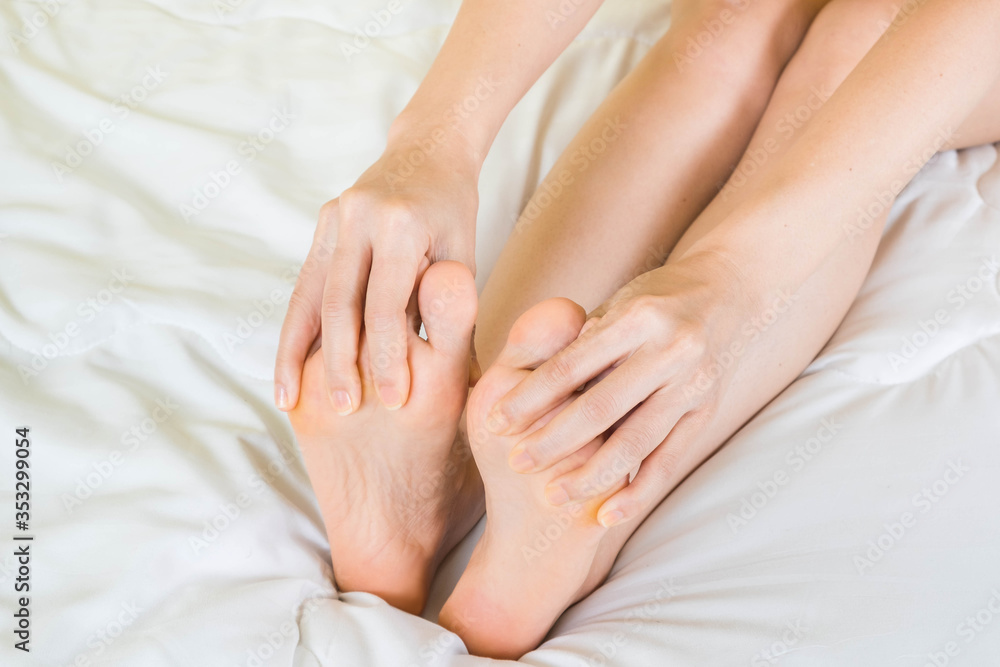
x=138 y=346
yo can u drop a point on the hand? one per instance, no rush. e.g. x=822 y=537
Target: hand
x=416 y=205
x=653 y=349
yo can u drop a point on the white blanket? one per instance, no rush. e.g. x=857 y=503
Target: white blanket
x=163 y=163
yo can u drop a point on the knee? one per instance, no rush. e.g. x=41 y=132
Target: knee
x=741 y=41
x=842 y=33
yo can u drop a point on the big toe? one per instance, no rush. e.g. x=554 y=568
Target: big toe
x=541 y=332
x=447 y=302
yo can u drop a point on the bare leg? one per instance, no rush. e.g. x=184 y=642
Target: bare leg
x=482 y=609
x=646 y=163
x=701 y=108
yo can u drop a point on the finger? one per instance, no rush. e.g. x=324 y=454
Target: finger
x=590 y=415
x=413 y=320
x=298 y=333
x=599 y=348
x=658 y=474
x=343 y=299
x=390 y=287
x=629 y=444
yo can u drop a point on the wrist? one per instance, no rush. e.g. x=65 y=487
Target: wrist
x=412 y=145
x=725 y=295
x=461 y=132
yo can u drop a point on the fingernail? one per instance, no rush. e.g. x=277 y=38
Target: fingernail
x=556 y=495
x=496 y=422
x=520 y=460
x=280 y=397
x=609 y=519
x=342 y=402
x=391 y=398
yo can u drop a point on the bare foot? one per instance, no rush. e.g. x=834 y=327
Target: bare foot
x=398 y=489
x=534 y=559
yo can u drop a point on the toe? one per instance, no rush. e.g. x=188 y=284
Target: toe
x=447 y=301
x=541 y=332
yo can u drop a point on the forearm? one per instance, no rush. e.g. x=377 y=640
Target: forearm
x=494 y=53
x=889 y=116
x=644 y=165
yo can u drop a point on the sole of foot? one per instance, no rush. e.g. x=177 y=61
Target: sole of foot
x=398 y=488
x=534 y=560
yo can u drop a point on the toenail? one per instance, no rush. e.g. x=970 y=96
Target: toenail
x=609 y=519
x=391 y=398
x=520 y=460
x=281 y=397
x=496 y=422
x=342 y=402
x=556 y=495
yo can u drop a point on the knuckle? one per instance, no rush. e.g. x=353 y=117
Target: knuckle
x=561 y=370
x=642 y=314
x=381 y=322
x=690 y=342
x=599 y=408
x=385 y=358
x=350 y=204
x=633 y=444
x=396 y=218
x=668 y=463
x=336 y=300
x=297 y=302
x=329 y=210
